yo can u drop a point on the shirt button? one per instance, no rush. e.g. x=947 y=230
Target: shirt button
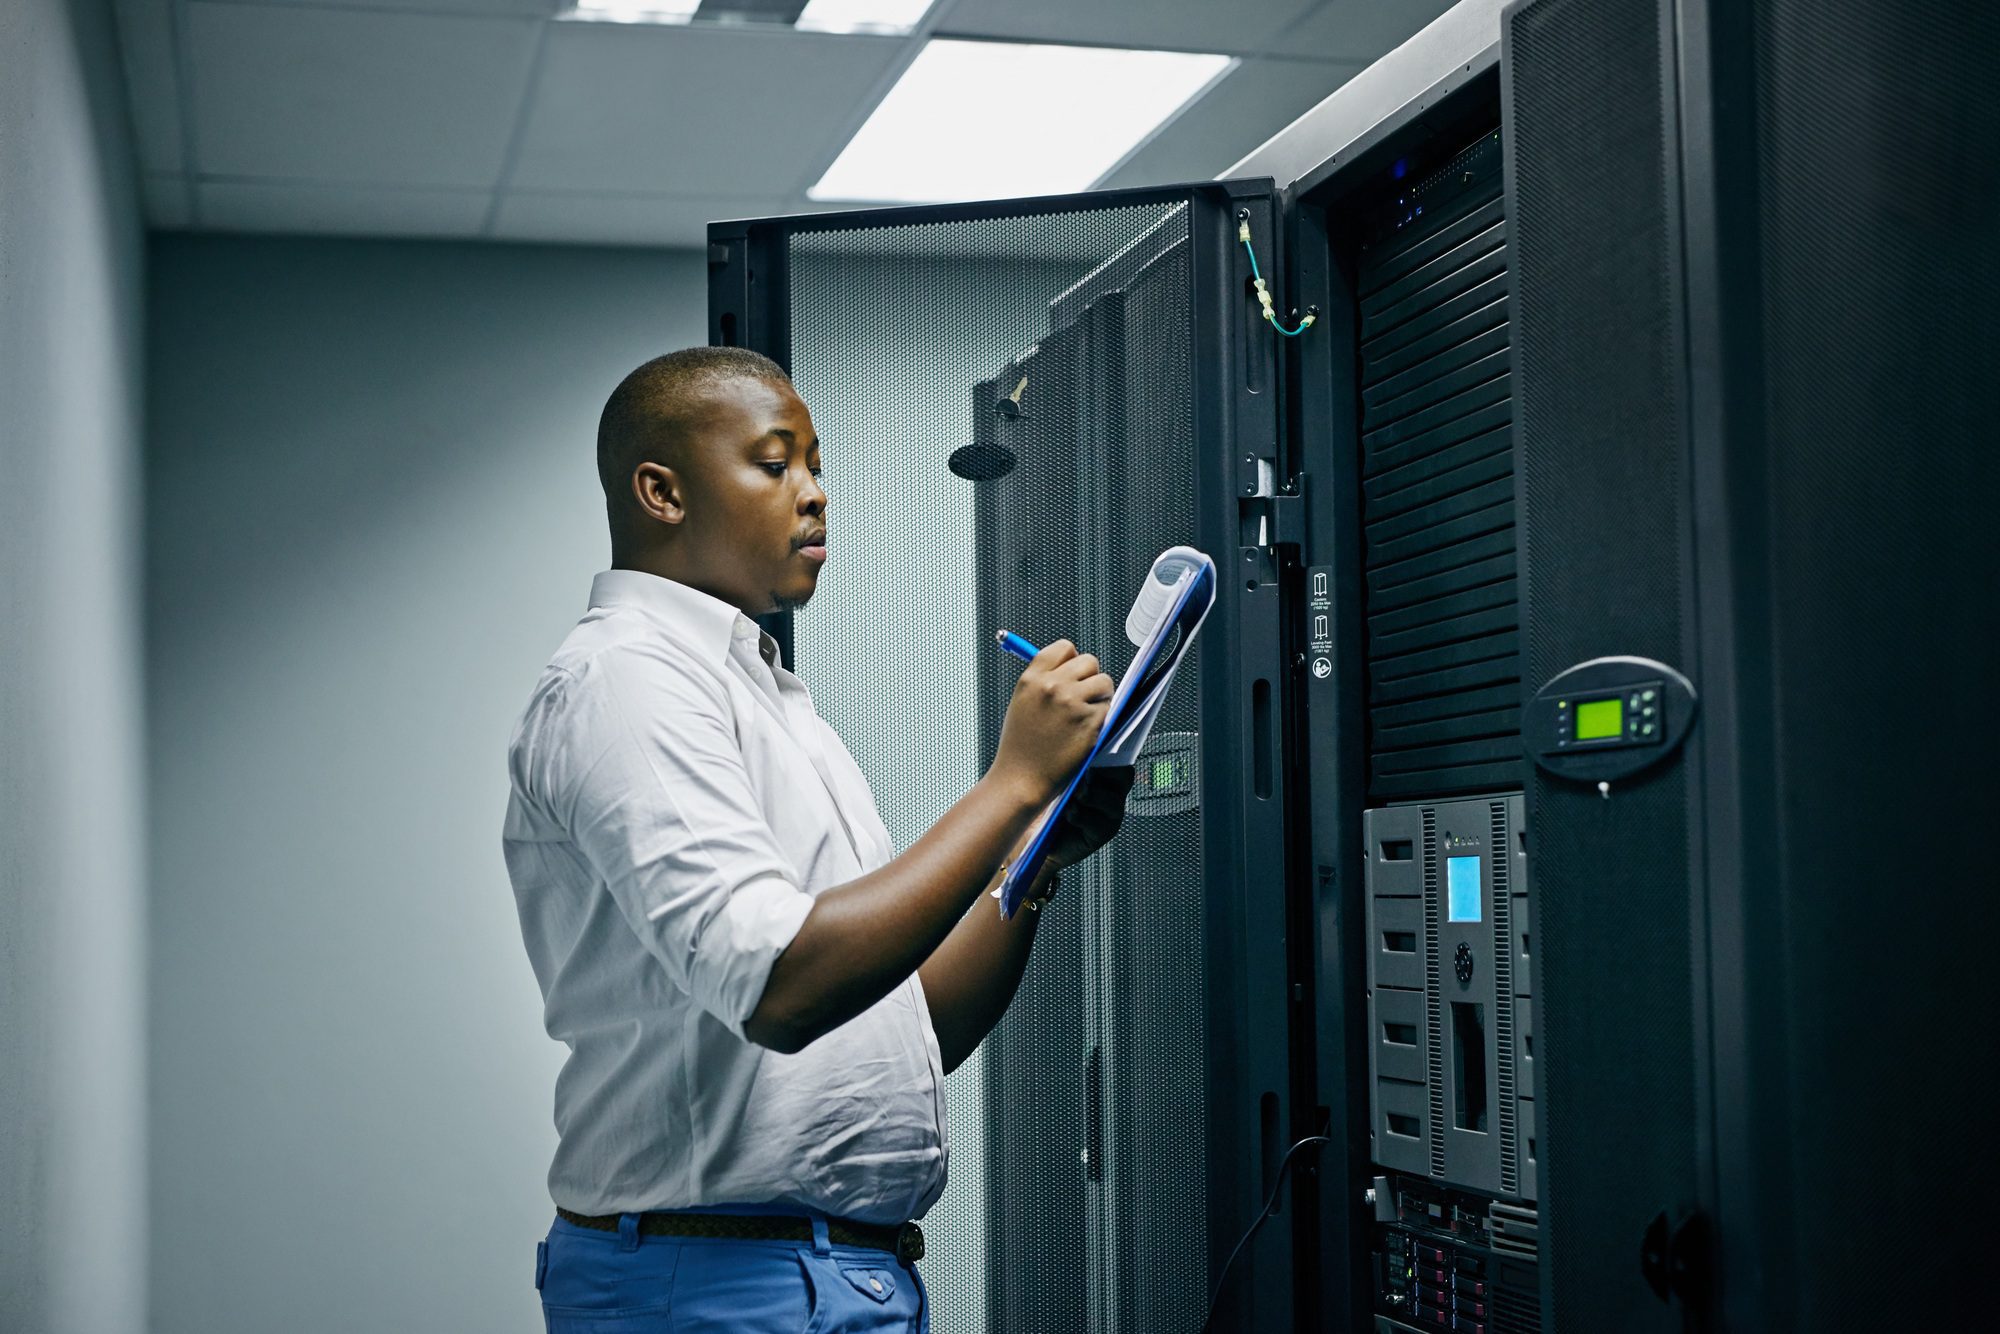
x=875 y=1283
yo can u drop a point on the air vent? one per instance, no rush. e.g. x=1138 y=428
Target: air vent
x=1515 y=1229
x=1503 y=1002
x=1438 y=486
x=1515 y=1313
x=1433 y=989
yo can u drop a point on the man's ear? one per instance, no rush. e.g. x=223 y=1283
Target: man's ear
x=659 y=492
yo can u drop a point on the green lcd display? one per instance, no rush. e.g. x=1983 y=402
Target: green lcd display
x=1600 y=718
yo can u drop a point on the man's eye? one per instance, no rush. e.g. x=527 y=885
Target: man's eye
x=814 y=470
x=775 y=469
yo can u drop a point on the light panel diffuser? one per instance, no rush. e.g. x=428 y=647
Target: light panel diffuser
x=872 y=16
x=633 y=11
x=996 y=120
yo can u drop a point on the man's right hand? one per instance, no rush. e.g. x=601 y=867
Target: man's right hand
x=1058 y=707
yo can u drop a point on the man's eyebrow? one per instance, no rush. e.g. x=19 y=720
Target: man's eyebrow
x=789 y=437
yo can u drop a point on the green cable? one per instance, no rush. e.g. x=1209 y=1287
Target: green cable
x=1264 y=290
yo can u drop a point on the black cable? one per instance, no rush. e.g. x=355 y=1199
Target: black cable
x=1270 y=1203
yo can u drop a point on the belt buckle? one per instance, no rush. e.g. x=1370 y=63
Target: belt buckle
x=909 y=1243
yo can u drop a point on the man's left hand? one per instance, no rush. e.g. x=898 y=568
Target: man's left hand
x=1092 y=816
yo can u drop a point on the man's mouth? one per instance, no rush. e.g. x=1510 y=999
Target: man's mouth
x=812 y=546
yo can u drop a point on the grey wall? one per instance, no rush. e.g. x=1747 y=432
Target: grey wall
x=72 y=1106
x=373 y=512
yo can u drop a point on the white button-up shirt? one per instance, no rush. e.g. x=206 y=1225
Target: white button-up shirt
x=677 y=803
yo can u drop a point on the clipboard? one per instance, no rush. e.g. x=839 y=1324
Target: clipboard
x=1166 y=616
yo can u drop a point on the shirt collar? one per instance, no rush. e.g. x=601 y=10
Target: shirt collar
x=706 y=623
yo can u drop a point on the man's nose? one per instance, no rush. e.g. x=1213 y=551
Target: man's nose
x=812 y=498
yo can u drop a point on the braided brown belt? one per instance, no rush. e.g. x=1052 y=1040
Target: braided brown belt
x=906 y=1242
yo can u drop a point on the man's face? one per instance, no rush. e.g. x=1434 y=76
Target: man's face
x=754 y=530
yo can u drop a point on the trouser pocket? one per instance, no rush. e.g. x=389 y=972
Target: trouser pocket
x=593 y=1283
x=860 y=1295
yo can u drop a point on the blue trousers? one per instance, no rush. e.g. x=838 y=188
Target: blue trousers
x=622 y=1283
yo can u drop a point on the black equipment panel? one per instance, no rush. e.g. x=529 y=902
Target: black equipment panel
x=1600 y=429
x=1448 y=1262
x=1437 y=443
x=1845 y=329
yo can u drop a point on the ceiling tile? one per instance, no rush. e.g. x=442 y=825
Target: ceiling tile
x=366 y=96
x=152 y=81
x=1235 y=26
x=695 y=111
x=1361 y=30
x=653 y=220
x=340 y=210
x=167 y=200
x=1256 y=100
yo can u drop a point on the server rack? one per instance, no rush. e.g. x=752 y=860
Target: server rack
x=1759 y=269
x=1671 y=394
x=1410 y=722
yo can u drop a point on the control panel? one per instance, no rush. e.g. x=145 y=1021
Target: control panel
x=1608 y=718
x=1600 y=719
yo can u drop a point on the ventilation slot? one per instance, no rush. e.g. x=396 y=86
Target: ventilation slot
x=1515 y=1229
x=1514 y=1313
x=1438 y=489
x=1503 y=1007
x=1433 y=989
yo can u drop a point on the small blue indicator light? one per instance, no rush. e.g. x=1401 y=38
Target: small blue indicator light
x=1401 y=169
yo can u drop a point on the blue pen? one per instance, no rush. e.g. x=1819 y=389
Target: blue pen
x=1017 y=646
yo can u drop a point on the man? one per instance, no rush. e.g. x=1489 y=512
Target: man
x=761 y=999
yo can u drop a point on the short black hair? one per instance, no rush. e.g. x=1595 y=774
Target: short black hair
x=648 y=416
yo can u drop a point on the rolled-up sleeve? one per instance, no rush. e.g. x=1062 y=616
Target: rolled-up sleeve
x=636 y=753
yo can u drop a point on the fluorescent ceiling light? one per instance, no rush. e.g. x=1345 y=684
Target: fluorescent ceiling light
x=984 y=120
x=634 y=11
x=893 y=17
x=873 y=16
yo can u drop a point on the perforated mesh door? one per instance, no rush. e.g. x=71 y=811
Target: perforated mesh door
x=1598 y=429
x=1880 y=315
x=1077 y=1197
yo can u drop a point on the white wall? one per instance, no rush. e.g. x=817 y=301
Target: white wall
x=373 y=512
x=72 y=1071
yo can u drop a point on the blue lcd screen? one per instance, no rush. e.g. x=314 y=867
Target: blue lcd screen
x=1461 y=879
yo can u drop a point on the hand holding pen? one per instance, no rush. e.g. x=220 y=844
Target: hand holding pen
x=1053 y=719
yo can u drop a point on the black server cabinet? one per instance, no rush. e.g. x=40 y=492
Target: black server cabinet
x=1757 y=323
x=1423 y=968
x=1137 y=1097
x=1749 y=321
x=1603 y=492
x=1092 y=417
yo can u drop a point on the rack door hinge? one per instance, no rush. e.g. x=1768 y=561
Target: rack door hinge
x=1256 y=475
x=1288 y=515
